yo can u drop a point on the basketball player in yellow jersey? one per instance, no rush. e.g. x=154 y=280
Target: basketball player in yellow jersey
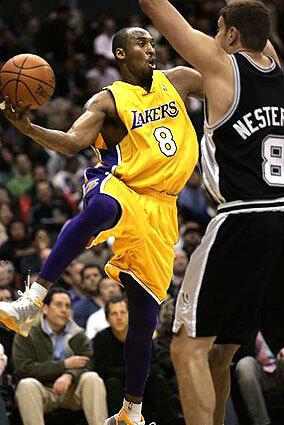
x=147 y=149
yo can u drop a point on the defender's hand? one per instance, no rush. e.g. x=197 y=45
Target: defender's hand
x=18 y=117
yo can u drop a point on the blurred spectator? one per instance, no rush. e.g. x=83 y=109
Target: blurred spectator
x=6 y=214
x=109 y=363
x=19 y=243
x=71 y=82
x=180 y=263
x=108 y=288
x=3 y=232
x=6 y=165
x=9 y=43
x=39 y=173
x=50 y=211
x=90 y=303
x=6 y=294
x=192 y=201
x=53 y=35
x=194 y=109
x=6 y=335
x=68 y=180
x=101 y=75
x=41 y=239
x=191 y=236
x=24 y=15
x=261 y=380
x=5 y=196
x=98 y=254
x=32 y=262
x=23 y=180
x=7 y=275
x=103 y=42
x=71 y=280
x=3 y=363
x=53 y=366
x=274 y=29
x=29 y=38
x=163 y=57
x=59 y=113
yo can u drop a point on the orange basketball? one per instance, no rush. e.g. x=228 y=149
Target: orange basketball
x=27 y=80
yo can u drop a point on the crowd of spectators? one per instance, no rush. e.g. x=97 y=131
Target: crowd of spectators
x=40 y=190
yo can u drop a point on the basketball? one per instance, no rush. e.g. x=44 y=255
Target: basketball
x=27 y=80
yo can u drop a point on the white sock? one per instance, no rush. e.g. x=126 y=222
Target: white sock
x=133 y=410
x=37 y=291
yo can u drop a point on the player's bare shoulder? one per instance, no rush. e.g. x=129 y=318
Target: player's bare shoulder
x=187 y=81
x=105 y=102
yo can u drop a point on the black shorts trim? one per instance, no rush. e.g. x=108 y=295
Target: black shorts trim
x=253 y=206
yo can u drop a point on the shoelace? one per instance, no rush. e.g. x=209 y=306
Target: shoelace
x=25 y=305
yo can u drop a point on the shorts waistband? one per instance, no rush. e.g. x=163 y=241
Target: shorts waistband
x=159 y=196
x=253 y=205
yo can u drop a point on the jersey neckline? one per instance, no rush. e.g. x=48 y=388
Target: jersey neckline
x=260 y=68
x=136 y=88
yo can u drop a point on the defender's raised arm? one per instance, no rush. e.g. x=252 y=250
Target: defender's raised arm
x=194 y=46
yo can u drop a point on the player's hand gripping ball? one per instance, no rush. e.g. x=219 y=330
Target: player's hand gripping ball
x=27 y=81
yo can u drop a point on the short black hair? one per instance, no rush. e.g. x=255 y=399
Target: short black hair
x=55 y=290
x=120 y=39
x=115 y=300
x=251 y=18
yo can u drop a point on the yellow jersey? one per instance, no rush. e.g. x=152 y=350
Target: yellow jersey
x=160 y=149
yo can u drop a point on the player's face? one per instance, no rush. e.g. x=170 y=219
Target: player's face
x=140 y=56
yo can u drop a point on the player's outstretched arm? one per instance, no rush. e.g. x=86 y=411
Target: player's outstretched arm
x=197 y=48
x=82 y=134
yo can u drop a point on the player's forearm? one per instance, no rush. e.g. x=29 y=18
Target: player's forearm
x=56 y=140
